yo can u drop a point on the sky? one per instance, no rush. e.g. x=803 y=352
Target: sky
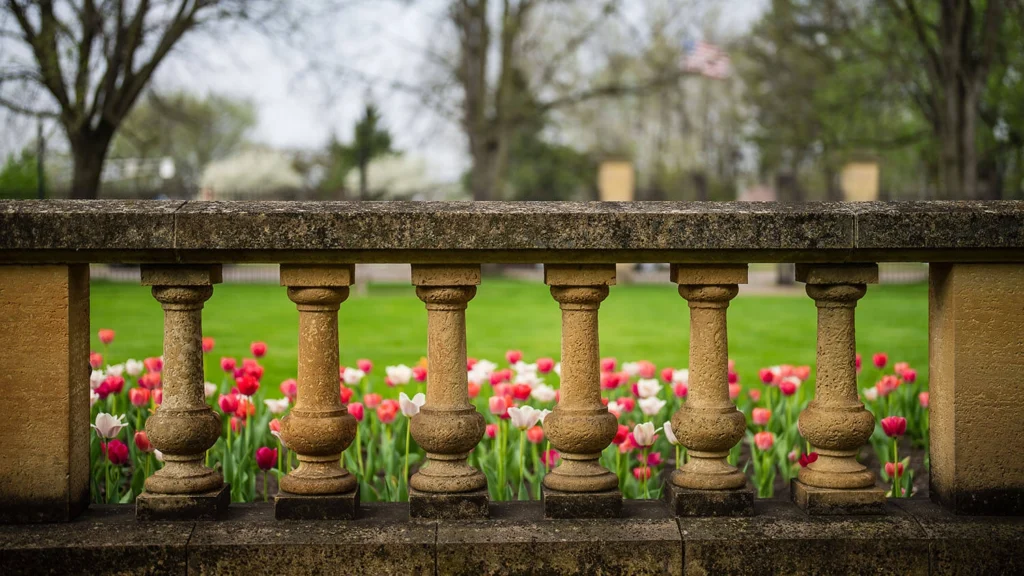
x=301 y=105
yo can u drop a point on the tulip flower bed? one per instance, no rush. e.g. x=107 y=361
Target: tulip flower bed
x=515 y=396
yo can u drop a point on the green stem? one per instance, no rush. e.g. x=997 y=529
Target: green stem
x=896 y=467
x=264 y=485
x=646 y=470
x=359 y=452
x=522 y=460
x=405 y=471
x=678 y=462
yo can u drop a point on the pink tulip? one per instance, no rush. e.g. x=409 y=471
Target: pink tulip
x=258 y=349
x=621 y=434
x=608 y=364
x=498 y=405
x=734 y=391
x=227 y=364
x=106 y=336
x=290 y=388
x=95 y=360
x=666 y=374
x=766 y=375
x=155 y=364
x=764 y=440
x=114 y=384
x=880 y=360
x=642 y=473
x=387 y=411
x=894 y=426
x=647 y=369
x=787 y=387
x=909 y=375
x=923 y=398
x=755 y=395
x=275 y=425
x=419 y=373
x=228 y=403
x=236 y=424
x=356 y=410
x=893 y=469
x=207 y=344
x=761 y=416
x=473 y=389
x=857 y=362
x=545 y=365
x=372 y=400
x=899 y=367
x=266 y=458
x=117 y=452
x=803 y=373
x=535 y=435
x=680 y=389
x=138 y=397
x=550 y=458
x=364 y=364
x=158 y=396
x=491 y=431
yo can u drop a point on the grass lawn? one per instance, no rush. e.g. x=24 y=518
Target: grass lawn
x=637 y=322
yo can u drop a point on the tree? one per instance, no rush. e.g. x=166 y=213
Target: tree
x=19 y=176
x=91 y=60
x=193 y=131
x=369 y=140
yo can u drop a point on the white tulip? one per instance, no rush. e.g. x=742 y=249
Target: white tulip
x=558 y=369
x=796 y=381
x=669 y=435
x=615 y=408
x=116 y=369
x=651 y=406
x=277 y=406
x=631 y=368
x=543 y=393
x=524 y=368
x=108 y=426
x=871 y=393
x=399 y=375
x=643 y=434
x=528 y=378
x=524 y=417
x=353 y=376
x=93 y=398
x=542 y=414
x=411 y=407
x=159 y=455
x=96 y=378
x=209 y=389
x=134 y=367
x=681 y=376
x=648 y=387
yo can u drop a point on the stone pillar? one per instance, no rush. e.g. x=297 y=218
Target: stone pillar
x=976 y=375
x=44 y=383
x=580 y=426
x=318 y=428
x=836 y=423
x=709 y=424
x=183 y=427
x=448 y=426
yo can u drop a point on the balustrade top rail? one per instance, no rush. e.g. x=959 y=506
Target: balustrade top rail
x=474 y=232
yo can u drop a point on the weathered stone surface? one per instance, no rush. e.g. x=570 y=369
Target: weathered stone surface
x=558 y=504
x=689 y=502
x=976 y=364
x=250 y=541
x=289 y=506
x=449 y=506
x=780 y=539
x=837 y=501
x=837 y=273
x=103 y=540
x=473 y=232
x=968 y=545
x=44 y=381
x=163 y=507
x=518 y=540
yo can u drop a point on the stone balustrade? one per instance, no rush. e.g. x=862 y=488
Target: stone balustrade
x=976 y=252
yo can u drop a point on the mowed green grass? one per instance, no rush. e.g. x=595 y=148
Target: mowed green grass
x=638 y=322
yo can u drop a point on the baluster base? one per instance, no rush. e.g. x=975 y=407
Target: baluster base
x=689 y=502
x=558 y=504
x=345 y=506
x=833 y=501
x=205 y=506
x=449 y=505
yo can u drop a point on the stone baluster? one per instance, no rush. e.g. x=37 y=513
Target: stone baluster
x=709 y=424
x=318 y=428
x=580 y=426
x=448 y=426
x=836 y=423
x=183 y=427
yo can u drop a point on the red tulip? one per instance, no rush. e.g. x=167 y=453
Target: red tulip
x=766 y=375
x=621 y=434
x=387 y=411
x=857 y=362
x=228 y=403
x=356 y=410
x=372 y=400
x=470 y=362
x=290 y=388
x=653 y=459
x=158 y=396
x=880 y=360
x=258 y=349
x=95 y=360
x=117 y=452
x=245 y=408
x=114 y=384
x=734 y=378
x=666 y=374
x=887 y=384
x=535 y=435
x=608 y=364
x=894 y=426
x=266 y=458
x=680 y=389
x=208 y=343
x=346 y=394
x=642 y=473
x=474 y=389
x=142 y=441
x=138 y=397
x=106 y=335
x=550 y=457
x=150 y=380
x=419 y=373
x=909 y=375
x=227 y=364
x=247 y=385
x=923 y=398
x=893 y=470
x=491 y=430
x=808 y=459
x=154 y=364
x=609 y=380
x=787 y=387
x=545 y=365
x=521 y=391
x=764 y=440
x=513 y=356
x=628 y=404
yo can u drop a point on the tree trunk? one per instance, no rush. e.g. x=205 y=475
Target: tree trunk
x=968 y=147
x=363 y=185
x=484 y=174
x=89 y=153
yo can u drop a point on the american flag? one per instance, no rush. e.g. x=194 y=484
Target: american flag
x=706 y=59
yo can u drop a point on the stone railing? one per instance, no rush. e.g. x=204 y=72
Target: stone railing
x=976 y=336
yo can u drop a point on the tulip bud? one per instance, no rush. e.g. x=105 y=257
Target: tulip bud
x=106 y=335
x=258 y=349
x=142 y=441
x=356 y=410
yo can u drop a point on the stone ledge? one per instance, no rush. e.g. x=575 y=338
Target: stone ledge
x=475 y=232
x=914 y=537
